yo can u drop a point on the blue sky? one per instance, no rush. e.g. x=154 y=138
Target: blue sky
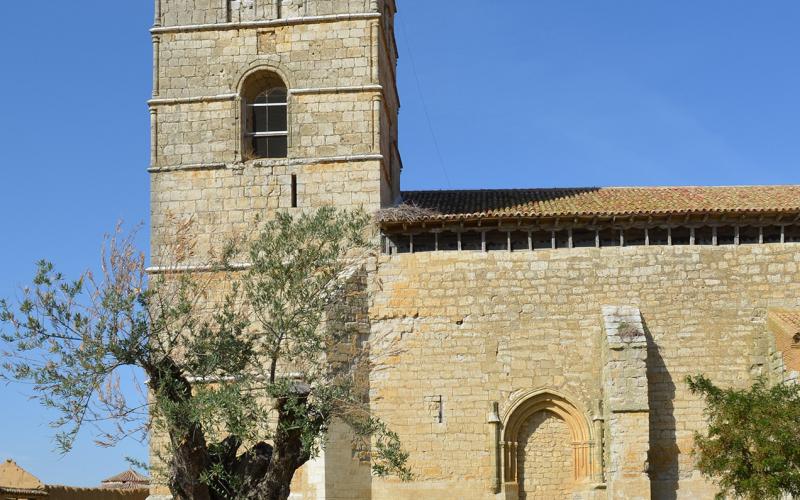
x=516 y=93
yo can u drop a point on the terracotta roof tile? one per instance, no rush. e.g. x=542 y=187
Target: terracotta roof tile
x=791 y=318
x=421 y=206
x=127 y=479
x=23 y=491
x=785 y=325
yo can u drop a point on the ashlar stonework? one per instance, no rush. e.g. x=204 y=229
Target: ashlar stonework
x=540 y=338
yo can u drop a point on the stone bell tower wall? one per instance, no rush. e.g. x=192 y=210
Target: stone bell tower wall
x=336 y=58
x=188 y=12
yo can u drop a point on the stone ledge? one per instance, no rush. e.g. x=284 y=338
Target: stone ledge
x=291 y=21
x=353 y=89
x=196 y=166
x=171 y=101
x=346 y=89
x=283 y=162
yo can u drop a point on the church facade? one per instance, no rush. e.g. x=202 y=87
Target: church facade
x=541 y=337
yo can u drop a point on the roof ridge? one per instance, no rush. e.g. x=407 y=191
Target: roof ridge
x=598 y=188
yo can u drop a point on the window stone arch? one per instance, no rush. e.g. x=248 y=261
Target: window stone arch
x=252 y=85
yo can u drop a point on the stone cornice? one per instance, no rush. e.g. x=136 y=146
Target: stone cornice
x=267 y=163
x=353 y=89
x=292 y=21
x=171 y=101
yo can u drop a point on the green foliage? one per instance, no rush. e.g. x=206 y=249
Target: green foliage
x=274 y=357
x=391 y=457
x=751 y=446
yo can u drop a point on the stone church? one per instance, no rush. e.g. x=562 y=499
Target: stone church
x=545 y=333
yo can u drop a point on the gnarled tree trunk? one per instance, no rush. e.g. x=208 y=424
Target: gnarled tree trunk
x=190 y=456
x=288 y=455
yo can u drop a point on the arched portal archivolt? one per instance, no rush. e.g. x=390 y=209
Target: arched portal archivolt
x=581 y=436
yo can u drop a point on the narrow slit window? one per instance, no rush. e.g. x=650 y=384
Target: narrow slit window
x=294 y=191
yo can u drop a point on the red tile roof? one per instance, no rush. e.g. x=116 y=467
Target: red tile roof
x=791 y=318
x=421 y=206
x=125 y=480
x=23 y=491
x=785 y=326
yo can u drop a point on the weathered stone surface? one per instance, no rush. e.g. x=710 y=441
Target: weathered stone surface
x=477 y=327
x=626 y=405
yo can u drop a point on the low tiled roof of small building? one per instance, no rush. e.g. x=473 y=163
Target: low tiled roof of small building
x=421 y=206
x=124 y=480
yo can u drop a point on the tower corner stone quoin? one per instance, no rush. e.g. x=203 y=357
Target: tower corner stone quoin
x=528 y=343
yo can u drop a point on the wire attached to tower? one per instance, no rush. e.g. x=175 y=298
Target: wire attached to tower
x=424 y=104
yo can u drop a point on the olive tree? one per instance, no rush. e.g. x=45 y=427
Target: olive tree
x=247 y=364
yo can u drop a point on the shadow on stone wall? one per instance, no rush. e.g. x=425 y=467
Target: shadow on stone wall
x=347 y=469
x=663 y=456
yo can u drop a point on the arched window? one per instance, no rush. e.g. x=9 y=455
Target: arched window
x=265 y=100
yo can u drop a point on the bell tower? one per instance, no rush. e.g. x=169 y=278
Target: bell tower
x=261 y=105
x=265 y=105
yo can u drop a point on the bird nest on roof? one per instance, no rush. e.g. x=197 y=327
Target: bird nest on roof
x=405 y=211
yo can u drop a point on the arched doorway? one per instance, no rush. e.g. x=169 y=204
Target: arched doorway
x=547 y=448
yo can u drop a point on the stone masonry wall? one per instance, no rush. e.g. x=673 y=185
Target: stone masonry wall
x=182 y=12
x=342 y=139
x=545 y=462
x=210 y=63
x=474 y=327
x=225 y=202
x=342 y=124
x=626 y=404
